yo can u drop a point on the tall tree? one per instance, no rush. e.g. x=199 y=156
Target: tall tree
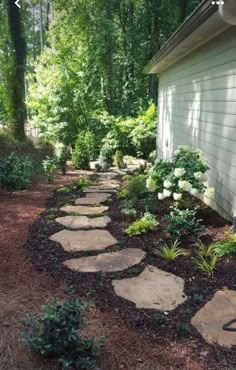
x=17 y=73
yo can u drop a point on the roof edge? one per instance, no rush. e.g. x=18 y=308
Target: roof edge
x=198 y=17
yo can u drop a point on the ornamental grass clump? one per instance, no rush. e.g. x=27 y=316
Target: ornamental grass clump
x=185 y=172
x=145 y=224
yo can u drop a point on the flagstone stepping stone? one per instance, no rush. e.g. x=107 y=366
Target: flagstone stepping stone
x=84 y=222
x=98 y=195
x=90 y=200
x=84 y=211
x=104 y=186
x=98 y=190
x=92 y=240
x=209 y=320
x=107 y=262
x=107 y=175
x=153 y=288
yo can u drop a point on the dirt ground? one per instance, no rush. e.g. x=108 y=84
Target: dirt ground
x=22 y=289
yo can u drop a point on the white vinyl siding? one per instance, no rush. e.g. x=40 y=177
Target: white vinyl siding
x=197 y=107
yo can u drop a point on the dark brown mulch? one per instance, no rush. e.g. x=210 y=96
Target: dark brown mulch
x=173 y=329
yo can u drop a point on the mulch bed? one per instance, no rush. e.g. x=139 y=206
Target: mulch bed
x=48 y=256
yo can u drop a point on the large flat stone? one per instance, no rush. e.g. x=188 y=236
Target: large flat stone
x=105 y=186
x=210 y=319
x=107 y=175
x=153 y=288
x=85 y=211
x=107 y=262
x=93 y=240
x=84 y=222
x=91 y=200
x=98 y=190
x=104 y=196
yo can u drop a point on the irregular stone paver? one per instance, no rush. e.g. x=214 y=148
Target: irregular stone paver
x=107 y=175
x=84 y=222
x=104 y=187
x=210 y=318
x=93 y=240
x=107 y=262
x=98 y=190
x=99 y=195
x=153 y=288
x=85 y=211
x=90 y=200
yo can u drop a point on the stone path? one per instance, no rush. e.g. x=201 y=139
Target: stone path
x=153 y=288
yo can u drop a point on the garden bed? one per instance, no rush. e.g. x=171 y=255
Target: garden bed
x=48 y=256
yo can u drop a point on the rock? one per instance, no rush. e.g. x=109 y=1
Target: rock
x=107 y=175
x=99 y=195
x=153 y=288
x=91 y=200
x=107 y=262
x=98 y=190
x=210 y=319
x=84 y=222
x=93 y=240
x=105 y=186
x=84 y=210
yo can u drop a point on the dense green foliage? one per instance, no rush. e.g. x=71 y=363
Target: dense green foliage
x=81 y=153
x=15 y=172
x=142 y=226
x=56 y=332
x=49 y=167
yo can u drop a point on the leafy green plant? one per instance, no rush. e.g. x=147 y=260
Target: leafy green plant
x=226 y=247
x=183 y=329
x=15 y=172
x=147 y=223
x=182 y=223
x=49 y=167
x=118 y=159
x=80 y=184
x=129 y=212
x=198 y=298
x=207 y=264
x=105 y=157
x=81 y=153
x=56 y=332
x=133 y=187
x=62 y=159
x=171 y=252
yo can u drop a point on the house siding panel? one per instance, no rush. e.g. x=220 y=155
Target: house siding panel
x=197 y=107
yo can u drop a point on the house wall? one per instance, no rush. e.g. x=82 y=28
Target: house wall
x=197 y=107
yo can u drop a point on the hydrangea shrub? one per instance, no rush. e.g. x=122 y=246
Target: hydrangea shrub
x=185 y=172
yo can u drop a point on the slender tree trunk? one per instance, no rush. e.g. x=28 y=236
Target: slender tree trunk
x=41 y=24
x=17 y=76
x=109 y=58
x=33 y=29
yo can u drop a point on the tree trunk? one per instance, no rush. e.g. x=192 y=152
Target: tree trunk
x=109 y=58
x=17 y=76
x=41 y=24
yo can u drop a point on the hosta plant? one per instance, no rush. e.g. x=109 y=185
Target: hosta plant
x=185 y=172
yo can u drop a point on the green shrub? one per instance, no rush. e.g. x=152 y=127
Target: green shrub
x=129 y=212
x=81 y=153
x=135 y=185
x=15 y=172
x=183 y=223
x=62 y=159
x=171 y=252
x=49 y=167
x=56 y=332
x=147 y=223
x=118 y=159
x=105 y=157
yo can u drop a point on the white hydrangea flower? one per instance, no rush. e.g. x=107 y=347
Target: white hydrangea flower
x=203 y=178
x=185 y=185
x=202 y=157
x=179 y=172
x=177 y=196
x=160 y=196
x=210 y=193
x=198 y=175
x=194 y=191
x=151 y=185
x=167 y=184
x=167 y=193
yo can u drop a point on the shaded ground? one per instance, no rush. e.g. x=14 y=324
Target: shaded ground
x=23 y=289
